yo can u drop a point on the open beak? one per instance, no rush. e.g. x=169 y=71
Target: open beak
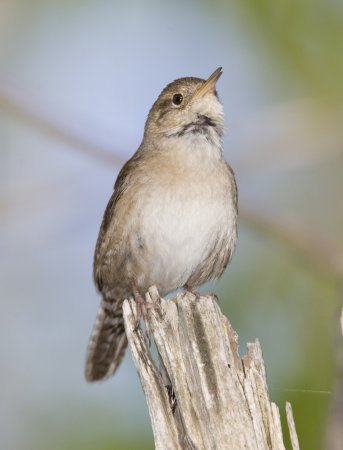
x=210 y=84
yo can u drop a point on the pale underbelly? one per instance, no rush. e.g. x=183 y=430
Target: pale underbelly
x=175 y=238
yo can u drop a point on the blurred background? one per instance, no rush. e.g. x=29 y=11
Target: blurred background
x=77 y=79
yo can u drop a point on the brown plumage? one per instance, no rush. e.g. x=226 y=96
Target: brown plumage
x=171 y=220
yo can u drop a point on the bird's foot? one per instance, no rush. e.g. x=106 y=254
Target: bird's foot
x=193 y=291
x=142 y=308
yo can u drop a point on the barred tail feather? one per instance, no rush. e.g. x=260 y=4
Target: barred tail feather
x=108 y=342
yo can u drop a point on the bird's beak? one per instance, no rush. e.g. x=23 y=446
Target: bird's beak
x=210 y=84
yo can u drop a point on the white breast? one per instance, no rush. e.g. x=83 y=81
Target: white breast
x=183 y=217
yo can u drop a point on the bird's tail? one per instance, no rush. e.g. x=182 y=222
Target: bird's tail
x=108 y=342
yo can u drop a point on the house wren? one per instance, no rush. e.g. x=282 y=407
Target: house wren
x=171 y=220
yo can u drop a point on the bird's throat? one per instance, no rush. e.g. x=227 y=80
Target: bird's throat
x=202 y=125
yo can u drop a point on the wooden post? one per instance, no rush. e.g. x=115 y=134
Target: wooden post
x=200 y=393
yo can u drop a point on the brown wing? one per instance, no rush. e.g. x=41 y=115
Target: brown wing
x=234 y=186
x=120 y=186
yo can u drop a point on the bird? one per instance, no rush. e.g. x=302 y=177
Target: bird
x=172 y=218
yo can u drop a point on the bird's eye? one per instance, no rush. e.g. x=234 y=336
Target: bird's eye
x=177 y=99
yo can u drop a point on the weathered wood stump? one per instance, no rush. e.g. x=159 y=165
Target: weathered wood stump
x=200 y=393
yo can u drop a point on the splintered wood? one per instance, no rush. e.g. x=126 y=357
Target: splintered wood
x=200 y=393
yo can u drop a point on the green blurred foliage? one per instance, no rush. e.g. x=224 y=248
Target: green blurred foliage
x=80 y=441
x=305 y=38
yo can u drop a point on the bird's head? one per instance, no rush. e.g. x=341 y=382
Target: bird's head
x=187 y=107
